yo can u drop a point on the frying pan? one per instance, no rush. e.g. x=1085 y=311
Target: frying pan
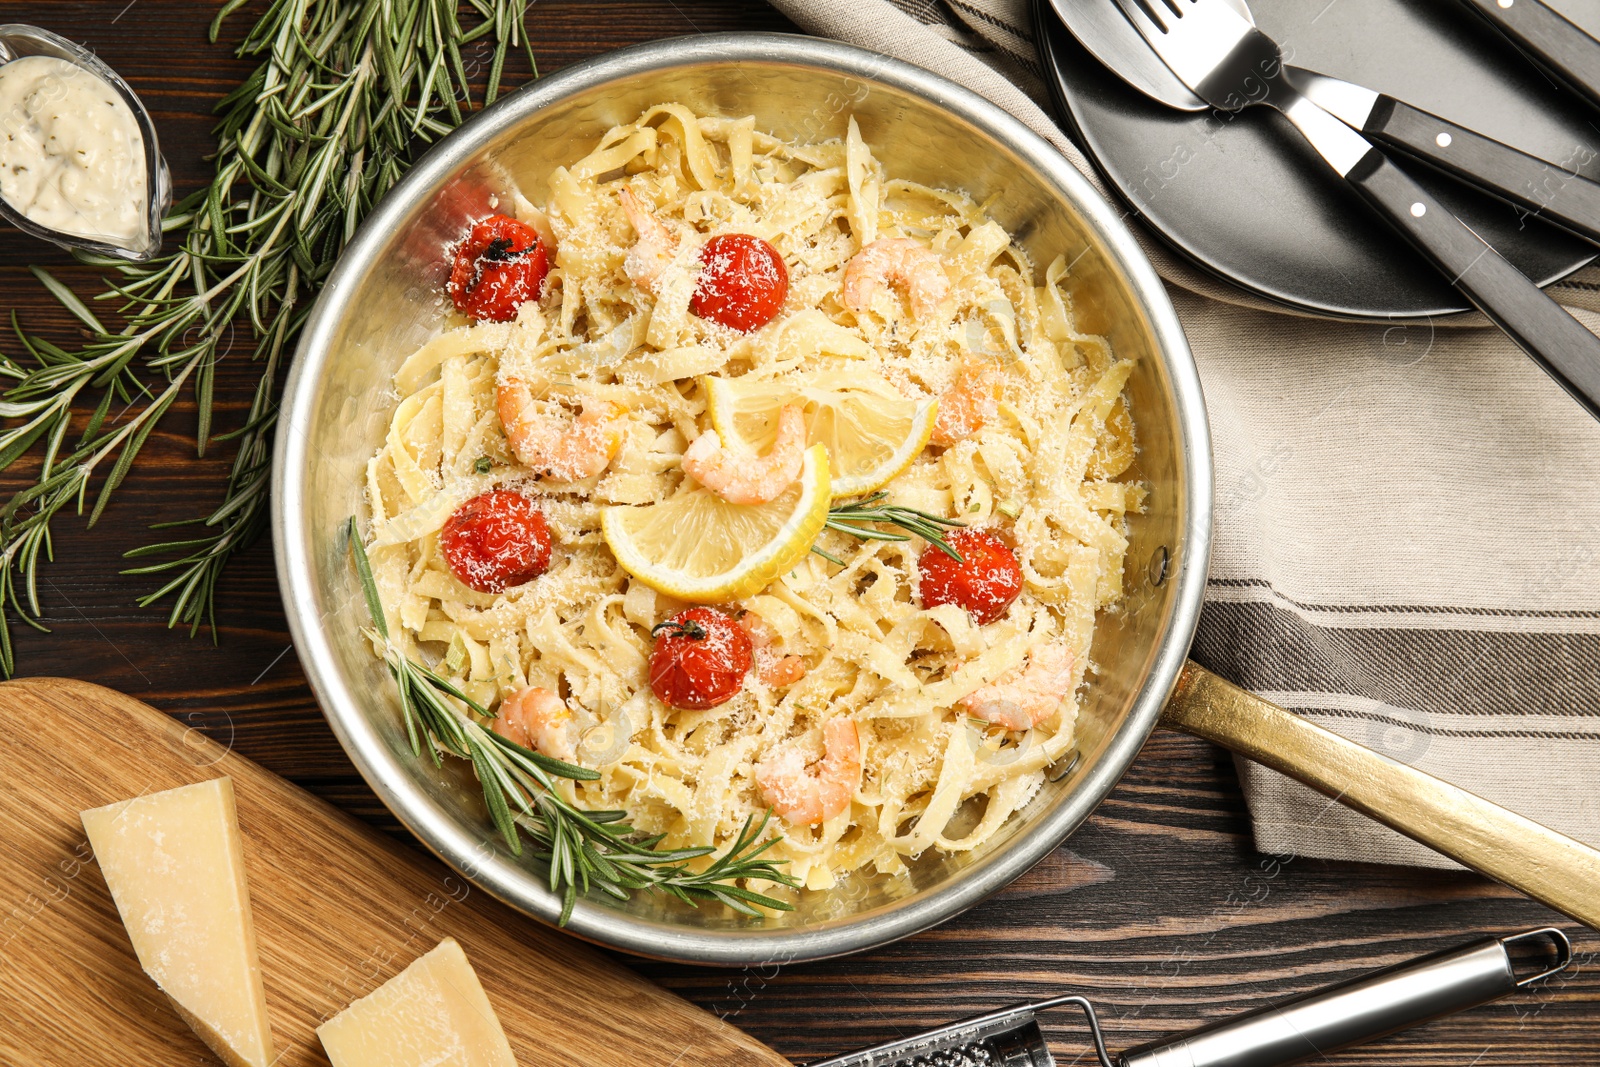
x=385 y=299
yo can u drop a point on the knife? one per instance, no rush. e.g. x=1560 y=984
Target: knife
x=1555 y=192
x=1552 y=41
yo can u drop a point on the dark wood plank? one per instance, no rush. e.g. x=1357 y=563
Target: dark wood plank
x=1159 y=907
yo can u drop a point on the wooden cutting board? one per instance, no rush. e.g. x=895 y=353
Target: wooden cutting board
x=339 y=909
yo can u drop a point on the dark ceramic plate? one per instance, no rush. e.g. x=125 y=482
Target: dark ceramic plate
x=1246 y=198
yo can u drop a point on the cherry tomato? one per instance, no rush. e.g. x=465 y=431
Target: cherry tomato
x=700 y=659
x=742 y=282
x=985 y=582
x=495 y=540
x=498 y=268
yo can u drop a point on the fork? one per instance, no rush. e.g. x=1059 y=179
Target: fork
x=1232 y=65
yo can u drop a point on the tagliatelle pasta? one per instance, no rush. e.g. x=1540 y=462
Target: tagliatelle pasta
x=1044 y=472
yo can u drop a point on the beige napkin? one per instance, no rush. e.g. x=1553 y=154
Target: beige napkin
x=1408 y=518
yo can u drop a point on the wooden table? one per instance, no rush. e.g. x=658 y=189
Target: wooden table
x=1159 y=907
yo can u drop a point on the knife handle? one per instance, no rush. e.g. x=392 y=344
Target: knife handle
x=1543 y=329
x=1555 y=43
x=1551 y=191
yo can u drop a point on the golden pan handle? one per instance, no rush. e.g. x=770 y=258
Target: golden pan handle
x=1549 y=867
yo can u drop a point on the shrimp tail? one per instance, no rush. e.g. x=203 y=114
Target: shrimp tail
x=537 y=719
x=969 y=404
x=896 y=261
x=773 y=669
x=805 y=797
x=742 y=478
x=654 y=249
x=560 y=448
x=1029 y=693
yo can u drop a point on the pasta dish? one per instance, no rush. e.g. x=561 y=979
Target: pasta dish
x=754 y=478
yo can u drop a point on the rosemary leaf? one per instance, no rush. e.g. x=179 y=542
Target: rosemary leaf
x=368 y=585
x=829 y=556
x=67 y=299
x=850 y=519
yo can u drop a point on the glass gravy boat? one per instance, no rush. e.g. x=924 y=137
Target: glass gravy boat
x=18 y=41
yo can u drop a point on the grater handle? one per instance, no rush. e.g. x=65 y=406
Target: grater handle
x=1360 y=1010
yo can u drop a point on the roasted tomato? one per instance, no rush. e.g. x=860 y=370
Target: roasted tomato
x=498 y=268
x=742 y=282
x=496 y=540
x=700 y=659
x=985 y=582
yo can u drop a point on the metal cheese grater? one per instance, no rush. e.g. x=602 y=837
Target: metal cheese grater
x=1317 y=1023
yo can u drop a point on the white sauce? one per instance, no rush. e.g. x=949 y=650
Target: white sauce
x=71 y=155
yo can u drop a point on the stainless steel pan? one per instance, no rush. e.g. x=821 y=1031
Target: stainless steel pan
x=385 y=299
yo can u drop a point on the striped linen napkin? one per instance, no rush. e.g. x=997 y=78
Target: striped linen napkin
x=1408 y=518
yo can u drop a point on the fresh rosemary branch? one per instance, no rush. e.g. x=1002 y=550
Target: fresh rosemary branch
x=322 y=129
x=583 y=848
x=848 y=518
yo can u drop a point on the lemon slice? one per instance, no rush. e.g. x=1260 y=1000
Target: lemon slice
x=870 y=430
x=697 y=546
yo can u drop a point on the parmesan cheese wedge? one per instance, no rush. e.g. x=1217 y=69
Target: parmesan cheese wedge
x=175 y=864
x=432 y=1014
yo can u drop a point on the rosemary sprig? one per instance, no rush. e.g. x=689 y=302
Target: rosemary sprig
x=582 y=848
x=848 y=518
x=306 y=145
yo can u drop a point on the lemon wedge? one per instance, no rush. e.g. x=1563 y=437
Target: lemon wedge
x=870 y=430
x=696 y=546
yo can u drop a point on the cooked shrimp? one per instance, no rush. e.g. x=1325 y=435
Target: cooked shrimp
x=899 y=261
x=969 y=404
x=553 y=445
x=1028 y=694
x=653 y=250
x=806 y=796
x=740 y=477
x=538 y=719
x=773 y=669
